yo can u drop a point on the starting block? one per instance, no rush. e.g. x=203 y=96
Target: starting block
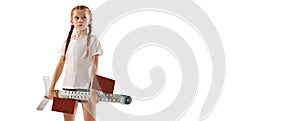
x=65 y=100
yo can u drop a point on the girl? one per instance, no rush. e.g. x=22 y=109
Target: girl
x=81 y=53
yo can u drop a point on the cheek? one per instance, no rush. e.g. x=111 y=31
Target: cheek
x=74 y=21
x=86 y=21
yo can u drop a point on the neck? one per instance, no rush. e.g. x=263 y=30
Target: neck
x=80 y=33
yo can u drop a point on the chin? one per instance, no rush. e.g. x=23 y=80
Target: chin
x=80 y=28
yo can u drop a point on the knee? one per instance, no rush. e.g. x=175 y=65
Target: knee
x=69 y=117
x=89 y=119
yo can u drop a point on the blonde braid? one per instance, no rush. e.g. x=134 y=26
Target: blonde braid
x=88 y=40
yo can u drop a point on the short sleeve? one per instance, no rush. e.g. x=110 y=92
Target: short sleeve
x=61 y=51
x=95 y=47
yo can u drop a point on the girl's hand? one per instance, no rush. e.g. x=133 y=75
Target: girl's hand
x=93 y=97
x=52 y=94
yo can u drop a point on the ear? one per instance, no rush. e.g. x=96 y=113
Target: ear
x=71 y=22
x=90 y=21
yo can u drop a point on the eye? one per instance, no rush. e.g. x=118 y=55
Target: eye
x=76 y=17
x=84 y=17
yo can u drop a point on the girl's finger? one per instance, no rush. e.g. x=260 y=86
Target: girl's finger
x=88 y=99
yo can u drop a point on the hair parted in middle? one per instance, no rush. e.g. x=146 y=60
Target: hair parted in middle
x=80 y=7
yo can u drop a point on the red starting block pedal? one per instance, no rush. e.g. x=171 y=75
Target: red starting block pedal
x=63 y=105
x=104 y=84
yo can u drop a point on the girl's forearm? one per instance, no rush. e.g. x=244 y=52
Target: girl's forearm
x=94 y=69
x=57 y=73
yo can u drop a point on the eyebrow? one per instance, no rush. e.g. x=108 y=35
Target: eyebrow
x=78 y=16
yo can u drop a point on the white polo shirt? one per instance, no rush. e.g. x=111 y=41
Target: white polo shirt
x=78 y=68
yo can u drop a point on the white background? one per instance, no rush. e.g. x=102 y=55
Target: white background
x=260 y=38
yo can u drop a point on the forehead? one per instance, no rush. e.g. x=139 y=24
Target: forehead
x=83 y=12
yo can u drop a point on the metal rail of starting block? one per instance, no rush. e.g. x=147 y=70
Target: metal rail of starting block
x=82 y=96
